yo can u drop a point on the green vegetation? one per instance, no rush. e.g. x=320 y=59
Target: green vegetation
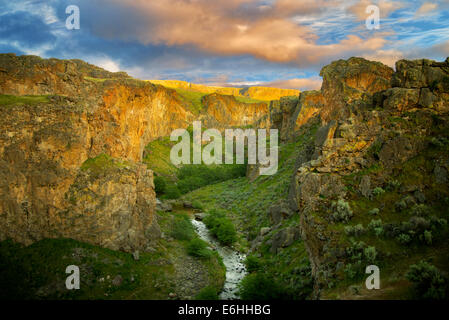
x=182 y=228
x=246 y=204
x=157 y=157
x=428 y=281
x=198 y=248
x=260 y=286
x=342 y=211
x=38 y=270
x=172 y=182
x=193 y=177
x=192 y=98
x=252 y=264
x=10 y=100
x=102 y=163
x=207 y=293
x=221 y=227
x=160 y=186
x=98 y=80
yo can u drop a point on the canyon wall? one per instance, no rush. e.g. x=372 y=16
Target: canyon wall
x=256 y=93
x=71 y=164
x=374 y=121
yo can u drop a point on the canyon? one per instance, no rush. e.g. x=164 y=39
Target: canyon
x=71 y=165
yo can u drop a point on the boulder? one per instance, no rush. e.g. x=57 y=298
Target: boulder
x=279 y=211
x=284 y=238
x=365 y=186
x=200 y=216
x=401 y=99
x=163 y=206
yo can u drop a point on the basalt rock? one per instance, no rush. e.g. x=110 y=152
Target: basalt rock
x=223 y=111
x=371 y=116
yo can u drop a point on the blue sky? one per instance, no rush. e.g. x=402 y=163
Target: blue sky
x=281 y=43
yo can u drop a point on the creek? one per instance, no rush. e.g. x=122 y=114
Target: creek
x=233 y=261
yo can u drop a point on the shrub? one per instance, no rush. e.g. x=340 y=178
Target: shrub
x=207 y=293
x=370 y=254
x=221 y=227
x=342 y=211
x=376 y=226
x=252 y=264
x=420 y=210
x=198 y=248
x=427 y=237
x=393 y=185
x=404 y=239
x=378 y=191
x=159 y=185
x=354 y=230
x=257 y=286
x=374 y=212
x=190 y=183
x=197 y=205
x=193 y=177
x=226 y=233
x=428 y=281
x=349 y=271
x=182 y=229
x=172 y=192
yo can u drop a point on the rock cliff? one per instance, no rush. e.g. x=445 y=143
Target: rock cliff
x=46 y=191
x=377 y=146
x=256 y=93
x=87 y=113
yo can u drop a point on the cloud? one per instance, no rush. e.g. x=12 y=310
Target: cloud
x=304 y=84
x=25 y=28
x=386 y=8
x=388 y=57
x=106 y=63
x=442 y=48
x=426 y=8
x=231 y=28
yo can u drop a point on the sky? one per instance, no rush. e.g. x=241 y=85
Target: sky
x=278 y=43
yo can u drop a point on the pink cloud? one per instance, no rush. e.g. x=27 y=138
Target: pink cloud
x=244 y=27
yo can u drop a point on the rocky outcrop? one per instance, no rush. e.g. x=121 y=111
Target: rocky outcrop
x=45 y=192
x=349 y=85
x=222 y=111
x=289 y=114
x=267 y=94
x=372 y=117
x=256 y=93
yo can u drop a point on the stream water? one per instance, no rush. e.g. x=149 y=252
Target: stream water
x=233 y=261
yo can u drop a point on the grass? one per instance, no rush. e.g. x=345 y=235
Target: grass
x=102 y=163
x=38 y=271
x=10 y=100
x=396 y=258
x=192 y=98
x=157 y=157
x=246 y=205
x=98 y=80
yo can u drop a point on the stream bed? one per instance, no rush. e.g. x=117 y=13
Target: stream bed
x=233 y=261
